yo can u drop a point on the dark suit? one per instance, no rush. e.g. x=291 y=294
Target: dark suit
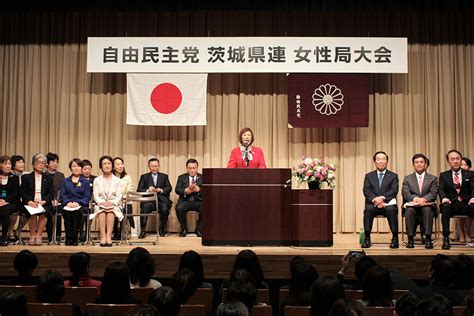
x=164 y=202
x=459 y=202
x=186 y=203
x=47 y=194
x=429 y=191
x=10 y=192
x=389 y=190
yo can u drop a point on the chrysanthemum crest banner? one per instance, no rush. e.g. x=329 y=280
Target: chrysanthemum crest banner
x=247 y=54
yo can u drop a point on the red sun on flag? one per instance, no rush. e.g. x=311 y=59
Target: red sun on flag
x=166 y=98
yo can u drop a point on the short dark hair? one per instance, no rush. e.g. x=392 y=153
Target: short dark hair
x=25 y=262
x=435 y=305
x=192 y=260
x=248 y=260
x=78 y=264
x=13 y=303
x=51 y=157
x=140 y=266
x=466 y=159
x=362 y=266
x=406 y=305
x=153 y=159
x=115 y=286
x=244 y=130
x=86 y=162
x=380 y=152
x=50 y=288
x=106 y=157
x=443 y=270
x=420 y=155
x=77 y=161
x=377 y=287
x=191 y=160
x=325 y=292
x=243 y=291
x=15 y=158
x=453 y=151
x=166 y=301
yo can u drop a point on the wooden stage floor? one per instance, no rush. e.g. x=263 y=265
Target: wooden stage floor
x=218 y=260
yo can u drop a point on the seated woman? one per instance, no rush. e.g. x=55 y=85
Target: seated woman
x=25 y=263
x=115 y=288
x=9 y=196
x=108 y=199
x=74 y=195
x=18 y=169
x=127 y=186
x=79 y=264
x=50 y=289
x=377 y=288
x=325 y=292
x=246 y=155
x=141 y=267
x=192 y=260
x=37 y=191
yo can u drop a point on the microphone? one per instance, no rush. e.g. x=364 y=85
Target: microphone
x=246 y=143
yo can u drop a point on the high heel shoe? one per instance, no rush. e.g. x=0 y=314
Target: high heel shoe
x=103 y=244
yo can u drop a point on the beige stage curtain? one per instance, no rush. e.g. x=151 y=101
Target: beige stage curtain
x=49 y=103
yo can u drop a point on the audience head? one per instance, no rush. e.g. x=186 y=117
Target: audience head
x=5 y=165
x=294 y=262
x=466 y=163
x=324 y=292
x=50 y=288
x=435 y=305
x=154 y=165
x=248 y=260
x=106 y=164
x=184 y=283
x=79 y=265
x=377 y=287
x=18 y=163
x=192 y=167
x=52 y=161
x=143 y=310
x=86 y=168
x=25 y=262
x=346 y=308
x=13 y=303
x=441 y=271
x=192 y=260
x=166 y=301
x=242 y=291
x=246 y=137
x=407 y=304
x=362 y=266
x=141 y=266
x=39 y=162
x=235 y=308
x=454 y=159
x=115 y=286
x=301 y=281
x=380 y=160
x=119 y=167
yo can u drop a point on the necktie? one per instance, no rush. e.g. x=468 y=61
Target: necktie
x=192 y=180
x=420 y=183
x=380 y=179
x=456 y=183
x=155 y=178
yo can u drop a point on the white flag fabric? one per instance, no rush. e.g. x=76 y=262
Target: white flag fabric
x=166 y=99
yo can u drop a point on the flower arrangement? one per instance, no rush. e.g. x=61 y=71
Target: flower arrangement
x=315 y=172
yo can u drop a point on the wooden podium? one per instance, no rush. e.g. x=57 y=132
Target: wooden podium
x=312 y=218
x=246 y=207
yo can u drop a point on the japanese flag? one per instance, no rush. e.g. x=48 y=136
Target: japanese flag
x=166 y=99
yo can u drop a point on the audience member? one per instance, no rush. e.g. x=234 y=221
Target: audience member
x=166 y=301
x=377 y=288
x=248 y=260
x=464 y=273
x=141 y=267
x=184 y=283
x=25 y=263
x=79 y=264
x=235 y=308
x=115 y=288
x=242 y=291
x=13 y=303
x=435 y=305
x=346 y=308
x=407 y=304
x=192 y=260
x=50 y=287
x=324 y=292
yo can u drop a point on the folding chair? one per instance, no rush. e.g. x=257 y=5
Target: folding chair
x=435 y=223
x=261 y=311
x=57 y=213
x=28 y=290
x=140 y=197
x=80 y=295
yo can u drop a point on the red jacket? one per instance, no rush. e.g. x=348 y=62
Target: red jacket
x=235 y=159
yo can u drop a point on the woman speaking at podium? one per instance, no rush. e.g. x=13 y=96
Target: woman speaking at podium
x=246 y=155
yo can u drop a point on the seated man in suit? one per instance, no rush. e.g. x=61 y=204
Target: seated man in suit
x=456 y=192
x=188 y=187
x=420 y=190
x=155 y=181
x=380 y=191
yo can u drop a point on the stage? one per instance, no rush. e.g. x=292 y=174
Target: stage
x=218 y=260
